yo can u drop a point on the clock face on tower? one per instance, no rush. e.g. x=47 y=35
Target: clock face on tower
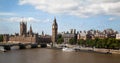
x=53 y=26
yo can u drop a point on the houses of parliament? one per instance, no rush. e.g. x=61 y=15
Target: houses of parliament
x=31 y=37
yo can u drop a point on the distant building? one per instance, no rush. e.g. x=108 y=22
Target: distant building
x=110 y=33
x=5 y=37
x=72 y=31
x=100 y=35
x=69 y=35
x=24 y=36
x=81 y=35
x=92 y=34
x=117 y=36
x=27 y=37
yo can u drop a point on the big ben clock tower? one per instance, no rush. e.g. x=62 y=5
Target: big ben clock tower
x=54 y=31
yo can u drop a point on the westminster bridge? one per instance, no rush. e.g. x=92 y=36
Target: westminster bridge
x=7 y=46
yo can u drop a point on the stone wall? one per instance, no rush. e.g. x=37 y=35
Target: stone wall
x=22 y=39
x=27 y=39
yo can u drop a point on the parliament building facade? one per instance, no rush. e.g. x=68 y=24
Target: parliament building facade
x=29 y=36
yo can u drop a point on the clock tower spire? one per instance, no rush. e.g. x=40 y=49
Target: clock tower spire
x=54 y=31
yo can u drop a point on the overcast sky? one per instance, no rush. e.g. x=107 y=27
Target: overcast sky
x=77 y=14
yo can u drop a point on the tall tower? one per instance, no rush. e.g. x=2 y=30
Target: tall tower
x=54 y=31
x=31 y=32
x=23 y=28
x=42 y=33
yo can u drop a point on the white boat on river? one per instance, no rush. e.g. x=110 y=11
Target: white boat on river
x=2 y=49
x=68 y=49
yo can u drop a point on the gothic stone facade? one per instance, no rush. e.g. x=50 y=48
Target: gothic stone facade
x=26 y=37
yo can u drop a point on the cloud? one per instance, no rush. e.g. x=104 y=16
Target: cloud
x=7 y=14
x=81 y=8
x=25 y=19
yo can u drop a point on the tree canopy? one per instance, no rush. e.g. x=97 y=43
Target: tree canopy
x=109 y=43
x=1 y=38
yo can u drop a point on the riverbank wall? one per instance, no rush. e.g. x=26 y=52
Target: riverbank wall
x=98 y=50
x=101 y=50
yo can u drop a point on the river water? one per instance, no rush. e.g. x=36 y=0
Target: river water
x=44 y=55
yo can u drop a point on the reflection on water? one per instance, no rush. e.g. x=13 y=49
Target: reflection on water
x=42 y=55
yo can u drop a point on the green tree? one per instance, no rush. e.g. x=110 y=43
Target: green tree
x=60 y=40
x=96 y=42
x=81 y=42
x=1 y=38
x=109 y=43
x=92 y=44
x=89 y=42
x=100 y=43
x=72 y=41
x=59 y=36
x=118 y=43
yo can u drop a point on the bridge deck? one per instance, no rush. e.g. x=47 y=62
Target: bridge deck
x=16 y=44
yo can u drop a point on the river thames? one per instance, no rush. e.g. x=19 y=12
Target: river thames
x=44 y=55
